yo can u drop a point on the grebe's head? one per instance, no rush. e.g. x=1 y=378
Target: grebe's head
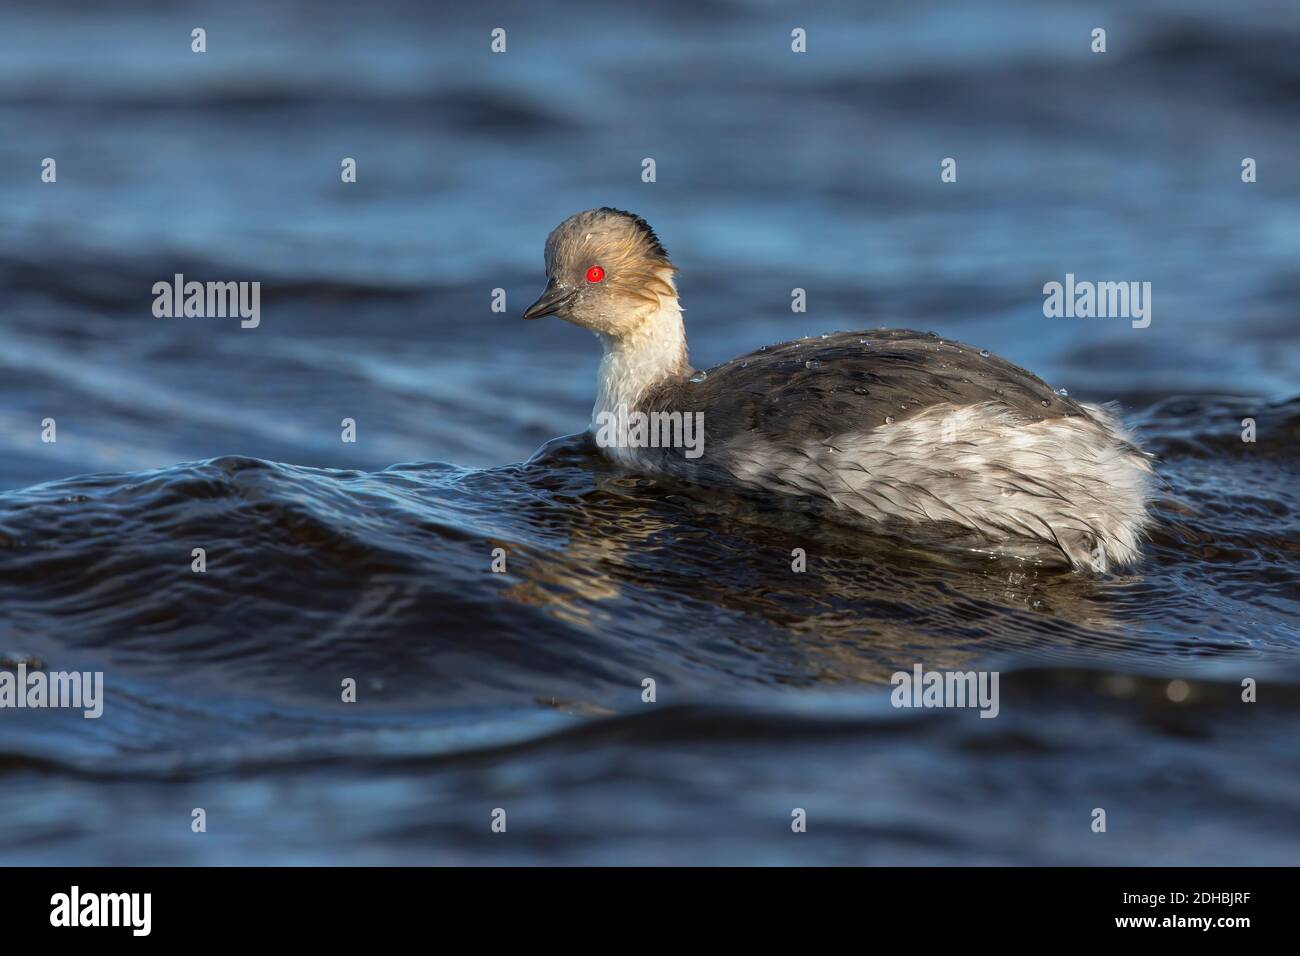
x=607 y=272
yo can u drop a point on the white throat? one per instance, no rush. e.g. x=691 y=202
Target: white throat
x=633 y=363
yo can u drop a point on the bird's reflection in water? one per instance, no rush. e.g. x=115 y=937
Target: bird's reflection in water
x=856 y=607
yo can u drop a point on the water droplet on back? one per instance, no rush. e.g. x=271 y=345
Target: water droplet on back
x=812 y=363
x=699 y=377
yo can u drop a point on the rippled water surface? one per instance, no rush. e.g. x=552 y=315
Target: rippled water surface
x=522 y=690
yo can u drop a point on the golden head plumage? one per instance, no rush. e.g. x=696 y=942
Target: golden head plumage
x=607 y=271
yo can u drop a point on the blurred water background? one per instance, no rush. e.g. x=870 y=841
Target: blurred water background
x=523 y=691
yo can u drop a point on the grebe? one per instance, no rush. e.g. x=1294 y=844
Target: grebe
x=891 y=430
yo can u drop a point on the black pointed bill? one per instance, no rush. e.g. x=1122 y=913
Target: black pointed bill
x=554 y=298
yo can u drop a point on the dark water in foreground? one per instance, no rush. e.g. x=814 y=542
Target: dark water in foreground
x=523 y=690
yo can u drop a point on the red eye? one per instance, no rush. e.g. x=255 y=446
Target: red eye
x=595 y=274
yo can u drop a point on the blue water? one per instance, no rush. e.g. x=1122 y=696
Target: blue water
x=523 y=691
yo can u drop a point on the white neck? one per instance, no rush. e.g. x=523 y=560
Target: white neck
x=638 y=360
